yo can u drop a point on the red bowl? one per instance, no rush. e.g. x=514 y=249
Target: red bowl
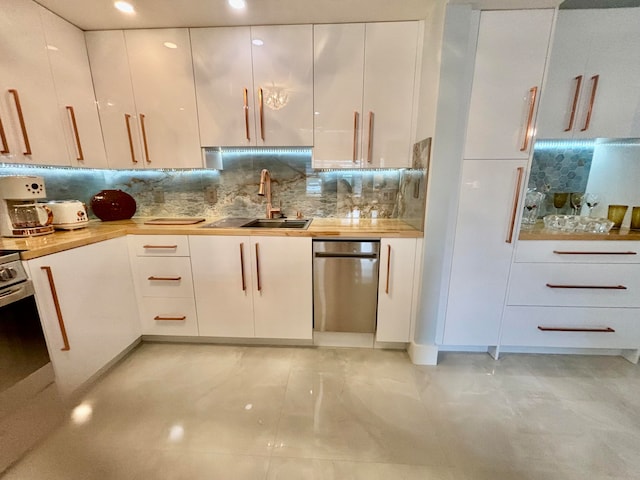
x=110 y=205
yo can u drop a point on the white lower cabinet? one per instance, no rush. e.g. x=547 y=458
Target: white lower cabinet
x=253 y=286
x=395 y=289
x=93 y=288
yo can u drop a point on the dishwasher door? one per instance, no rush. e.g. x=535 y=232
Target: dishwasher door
x=345 y=285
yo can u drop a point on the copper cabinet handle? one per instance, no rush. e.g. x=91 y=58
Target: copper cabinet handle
x=386 y=289
x=56 y=304
x=592 y=99
x=562 y=252
x=164 y=279
x=3 y=138
x=261 y=101
x=574 y=105
x=181 y=318
x=258 y=268
x=74 y=126
x=370 y=146
x=244 y=284
x=127 y=119
x=576 y=329
x=23 y=126
x=514 y=208
x=144 y=138
x=246 y=113
x=589 y=287
x=528 y=133
x=161 y=246
x=356 y=117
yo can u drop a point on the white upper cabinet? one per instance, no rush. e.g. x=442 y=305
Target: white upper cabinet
x=146 y=97
x=76 y=101
x=254 y=85
x=592 y=87
x=30 y=128
x=364 y=82
x=510 y=60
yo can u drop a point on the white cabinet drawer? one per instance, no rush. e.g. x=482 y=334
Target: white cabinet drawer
x=168 y=316
x=164 y=277
x=159 y=245
x=577 y=285
x=558 y=251
x=592 y=327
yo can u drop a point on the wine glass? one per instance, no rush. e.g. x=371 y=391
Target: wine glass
x=532 y=202
x=559 y=200
x=576 y=200
x=591 y=200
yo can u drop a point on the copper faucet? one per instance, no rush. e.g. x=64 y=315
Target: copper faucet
x=265 y=178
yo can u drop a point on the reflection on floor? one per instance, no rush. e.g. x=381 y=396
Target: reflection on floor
x=225 y=412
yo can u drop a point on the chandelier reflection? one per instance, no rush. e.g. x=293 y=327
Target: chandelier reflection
x=276 y=97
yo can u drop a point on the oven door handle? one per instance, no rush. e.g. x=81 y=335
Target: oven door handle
x=16 y=293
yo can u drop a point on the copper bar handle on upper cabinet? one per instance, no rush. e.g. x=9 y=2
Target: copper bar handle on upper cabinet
x=574 y=104
x=161 y=246
x=592 y=99
x=76 y=134
x=386 y=288
x=246 y=113
x=258 y=268
x=23 y=126
x=244 y=283
x=3 y=138
x=144 y=138
x=370 y=145
x=261 y=101
x=576 y=329
x=528 y=133
x=514 y=208
x=127 y=119
x=180 y=318
x=588 y=287
x=165 y=279
x=356 y=117
x=56 y=304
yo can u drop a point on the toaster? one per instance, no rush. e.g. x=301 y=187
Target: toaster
x=68 y=214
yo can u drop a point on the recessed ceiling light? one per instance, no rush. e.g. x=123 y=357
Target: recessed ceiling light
x=257 y=41
x=124 y=7
x=237 y=4
x=170 y=45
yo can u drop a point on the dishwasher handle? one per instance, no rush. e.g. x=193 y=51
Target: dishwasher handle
x=372 y=256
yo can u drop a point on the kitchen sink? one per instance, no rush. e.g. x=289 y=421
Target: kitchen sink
x=237 y=222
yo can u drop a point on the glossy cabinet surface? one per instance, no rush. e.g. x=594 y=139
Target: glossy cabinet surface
x=509 y=66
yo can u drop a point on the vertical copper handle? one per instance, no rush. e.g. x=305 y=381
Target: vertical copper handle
x=74 y=126
x=56 y=304
x=370 y=147
x=3 y=138
x=246 y=113
x=261 y=100
x=592 y=99
x=514 y=209
x=127 y=119
x=144 y=138
x=528 y=132
x=386 y=289
x=258 y=268
x=356 y=116
x=244 y=284
x=23 y=126
x=574 y=105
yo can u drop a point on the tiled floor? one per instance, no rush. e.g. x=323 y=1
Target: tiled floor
x=221 y=412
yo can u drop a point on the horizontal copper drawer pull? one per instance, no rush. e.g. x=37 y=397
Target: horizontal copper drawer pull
x=160 y=246
x=603 y=287
x=560 y=252
x=170 y=318
x=172 y=279
x=578 y=329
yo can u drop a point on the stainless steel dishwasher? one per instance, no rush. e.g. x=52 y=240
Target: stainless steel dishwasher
x=345 y=285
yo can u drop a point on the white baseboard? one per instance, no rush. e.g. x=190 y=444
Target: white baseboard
x=421 y=354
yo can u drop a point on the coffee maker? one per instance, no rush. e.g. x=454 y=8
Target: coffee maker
x=20 y=214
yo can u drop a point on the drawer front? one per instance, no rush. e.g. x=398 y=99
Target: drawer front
x=576 y=285
x=520 y=327
x=159 y=245
x=552 y=251
x=168 y=316
x=164 y=277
